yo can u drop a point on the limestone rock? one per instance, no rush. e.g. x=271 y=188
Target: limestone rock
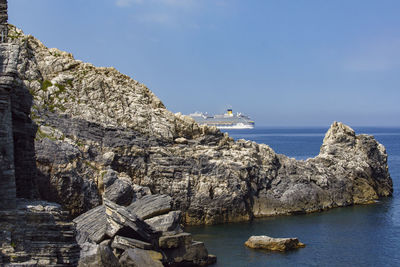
x=99 y=256
x=109 y=177
x=181 y=141
x=140 y=191
x=175 y=241
x=274 y=244
x=107 y=221
x=140 y=258
x=92 y=225
x=120 y=192
x=150 y=206
x=166 y=223
x=125 y=243
x=37 y=233
x=121 y=220
x=193 y=254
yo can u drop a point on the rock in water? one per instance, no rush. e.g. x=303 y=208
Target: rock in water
x=274 y=244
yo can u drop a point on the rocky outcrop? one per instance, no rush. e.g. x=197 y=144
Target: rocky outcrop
x=274 y=244
x=134 y=242
x=95 y=121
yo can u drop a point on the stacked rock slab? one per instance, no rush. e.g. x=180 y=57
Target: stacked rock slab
x=159 y=240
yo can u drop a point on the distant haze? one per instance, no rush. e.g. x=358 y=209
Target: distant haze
x=283 y=63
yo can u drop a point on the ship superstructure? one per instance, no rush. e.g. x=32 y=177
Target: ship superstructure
x=224 y=121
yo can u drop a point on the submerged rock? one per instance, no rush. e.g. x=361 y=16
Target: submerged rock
x=274 y=244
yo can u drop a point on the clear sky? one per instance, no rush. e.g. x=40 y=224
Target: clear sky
x=282 y=62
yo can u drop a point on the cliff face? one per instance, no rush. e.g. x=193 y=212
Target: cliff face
x=32 y=232
x=96 y=121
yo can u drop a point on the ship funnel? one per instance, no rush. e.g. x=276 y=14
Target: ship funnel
x=229 y=112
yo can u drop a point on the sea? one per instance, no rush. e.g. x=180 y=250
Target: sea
x=360 y=235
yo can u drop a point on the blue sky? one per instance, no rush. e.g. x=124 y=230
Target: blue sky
x=282 y=62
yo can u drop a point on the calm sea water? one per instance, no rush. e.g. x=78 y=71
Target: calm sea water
x=363 y=235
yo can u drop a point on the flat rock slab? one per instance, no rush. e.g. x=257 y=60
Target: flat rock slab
x=150 y=206
x=125 y=243
x=174 y=241
x=274 y=244
x=92 y=225
x=167 y=222
x=193 y=254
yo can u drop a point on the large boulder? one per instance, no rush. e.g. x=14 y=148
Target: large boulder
x=120 y=192
x=140 y=258
x=190 y=254
x=274 y=244
x=175 y=241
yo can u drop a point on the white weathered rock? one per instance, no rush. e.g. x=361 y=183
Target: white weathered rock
x=274 y=244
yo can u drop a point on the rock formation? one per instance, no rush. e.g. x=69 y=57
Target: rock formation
x=94 y=121
x=137 y=234
x=73 y=134
x=274 y=244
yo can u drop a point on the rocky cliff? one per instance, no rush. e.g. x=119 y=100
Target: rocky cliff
x=79 y=135
x=94 y=122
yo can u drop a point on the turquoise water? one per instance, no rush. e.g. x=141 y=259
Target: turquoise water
x=363 y=235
